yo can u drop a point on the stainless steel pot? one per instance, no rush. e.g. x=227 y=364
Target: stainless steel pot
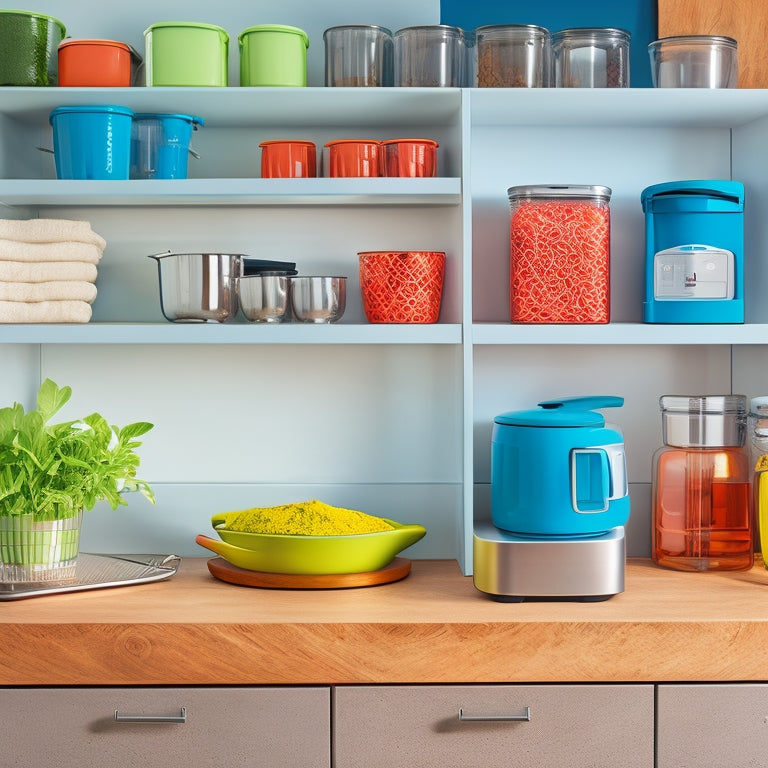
x=198 y=287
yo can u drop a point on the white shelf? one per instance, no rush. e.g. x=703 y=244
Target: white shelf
x=154 y=192
x=244 y=107
x=619 y=333
x=618 y=107
x=229 y=333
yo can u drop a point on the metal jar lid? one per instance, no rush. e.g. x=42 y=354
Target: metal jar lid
x=703 y=421
x=560 y=191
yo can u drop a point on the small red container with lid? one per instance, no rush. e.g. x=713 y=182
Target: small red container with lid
x=560 y=252
x=409 y=157
x=97 y=64
x=288 y=159
x=353 y=157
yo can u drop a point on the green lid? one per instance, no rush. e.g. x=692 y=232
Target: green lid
x=32 y=14
x=195 y=24
x=274 y=28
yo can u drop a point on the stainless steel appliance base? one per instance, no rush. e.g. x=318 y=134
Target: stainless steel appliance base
x=512 y=568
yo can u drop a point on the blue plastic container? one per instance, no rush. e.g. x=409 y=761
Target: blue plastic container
x=559 y=470
x=160 y=145
x=92 y=142
x=694 y=238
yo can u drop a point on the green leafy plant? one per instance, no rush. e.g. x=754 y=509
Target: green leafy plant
x=55 y=471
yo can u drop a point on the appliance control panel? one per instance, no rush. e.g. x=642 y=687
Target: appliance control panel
x=693 y=272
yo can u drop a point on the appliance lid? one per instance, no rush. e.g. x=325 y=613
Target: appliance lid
x=694 y=194
x=566 y=412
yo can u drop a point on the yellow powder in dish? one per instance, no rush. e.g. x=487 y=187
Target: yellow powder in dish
x=307 y=518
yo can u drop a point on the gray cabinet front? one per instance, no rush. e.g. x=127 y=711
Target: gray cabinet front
x=174 y=727
x=494 y=726
x=713 y=725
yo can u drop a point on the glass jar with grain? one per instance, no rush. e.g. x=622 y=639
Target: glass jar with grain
x=513 y=56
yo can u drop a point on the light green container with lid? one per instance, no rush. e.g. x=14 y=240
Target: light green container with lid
x=273 y=55
x=186 y=53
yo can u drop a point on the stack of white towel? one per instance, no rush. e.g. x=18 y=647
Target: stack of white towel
x=48 y=270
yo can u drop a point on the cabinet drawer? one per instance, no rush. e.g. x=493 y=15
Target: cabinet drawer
x=714 y=725
x=254 y=727
x=593 y=726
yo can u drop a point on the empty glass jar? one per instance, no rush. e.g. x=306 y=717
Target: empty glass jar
x=513 y=56
x=591 y=57
x=702 y=485
x=432 y=56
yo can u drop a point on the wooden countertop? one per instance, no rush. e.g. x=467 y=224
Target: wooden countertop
x=431 y=627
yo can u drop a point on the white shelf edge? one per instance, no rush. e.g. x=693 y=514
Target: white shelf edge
x=229 y=333
x=619 y=333
x=318 y=191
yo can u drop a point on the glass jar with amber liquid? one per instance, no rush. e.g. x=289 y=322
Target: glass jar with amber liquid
x=702 y=485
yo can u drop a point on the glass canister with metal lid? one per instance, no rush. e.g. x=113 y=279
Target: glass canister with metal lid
x=560 y=253
x=702 y=485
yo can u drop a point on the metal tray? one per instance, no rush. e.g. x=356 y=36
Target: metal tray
x=99 y=571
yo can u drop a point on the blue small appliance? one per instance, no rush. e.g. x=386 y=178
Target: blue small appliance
x=694 y=238
x=559 y=501
x=558 y=470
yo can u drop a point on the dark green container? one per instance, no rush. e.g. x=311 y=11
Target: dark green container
x=29 y=48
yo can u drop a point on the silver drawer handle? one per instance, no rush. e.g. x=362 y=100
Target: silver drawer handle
x=180 y=718
x=525 y=717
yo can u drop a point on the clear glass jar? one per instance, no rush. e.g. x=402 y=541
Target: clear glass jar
x=358 y=55
x=591 y=57
x=560 y=254
x=432 y=56
x=758 y=431
x=513 y=56
x=702 y=485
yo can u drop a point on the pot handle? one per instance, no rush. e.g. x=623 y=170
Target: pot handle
x=590 y=480
x=158 y=256
x=588 y=403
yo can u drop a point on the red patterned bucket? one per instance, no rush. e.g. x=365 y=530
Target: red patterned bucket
x=402 y=286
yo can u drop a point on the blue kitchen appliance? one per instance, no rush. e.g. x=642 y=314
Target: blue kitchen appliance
x=694 y=237
x=559 y=503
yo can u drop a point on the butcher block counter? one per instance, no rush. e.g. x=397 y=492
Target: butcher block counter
x=431 y=627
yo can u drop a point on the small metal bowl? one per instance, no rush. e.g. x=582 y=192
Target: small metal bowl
x=198 y=287
x=316 y=299
x=264 y=296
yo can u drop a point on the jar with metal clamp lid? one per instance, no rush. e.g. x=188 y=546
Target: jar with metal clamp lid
x=702 y=485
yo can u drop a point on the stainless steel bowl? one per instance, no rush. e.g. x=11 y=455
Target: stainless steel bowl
x=264 y=297
x=198 y=287
x=316 y=299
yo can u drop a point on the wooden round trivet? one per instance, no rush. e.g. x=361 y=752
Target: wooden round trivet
x=398 y=569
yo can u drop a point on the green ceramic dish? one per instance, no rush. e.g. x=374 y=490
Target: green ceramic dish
x=280 y=553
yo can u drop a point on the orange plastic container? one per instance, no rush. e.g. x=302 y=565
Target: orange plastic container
x=402 y=286
x=353 y=157
x=284 y=159
x=97 y=63
x=409 y=157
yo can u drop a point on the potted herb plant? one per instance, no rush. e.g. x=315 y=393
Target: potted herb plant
x=50 y=474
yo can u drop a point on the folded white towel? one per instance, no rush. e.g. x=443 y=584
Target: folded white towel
x=50 y=231
x=27 y=272
x=58 y=290
x=13 y=250
x=45 y=312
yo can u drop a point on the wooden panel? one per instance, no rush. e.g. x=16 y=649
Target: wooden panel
x=259 y=728
x=577 y=726
x=431 y=627
x=744 y=20
x=710 y=726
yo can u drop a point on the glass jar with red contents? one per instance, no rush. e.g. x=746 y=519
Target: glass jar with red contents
x=560 y=253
